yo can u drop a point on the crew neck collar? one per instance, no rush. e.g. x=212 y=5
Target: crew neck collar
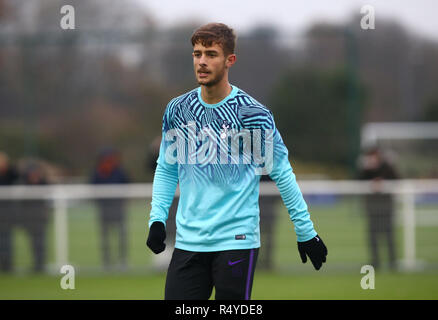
x=215 y=105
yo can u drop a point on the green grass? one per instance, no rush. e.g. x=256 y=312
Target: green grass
x=341 y=225
x=267 y=286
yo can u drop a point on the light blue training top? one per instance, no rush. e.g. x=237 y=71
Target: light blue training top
x=218 y=207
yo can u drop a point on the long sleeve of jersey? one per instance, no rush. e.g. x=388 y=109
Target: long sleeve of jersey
x=165 y=179
x=282 y=174
x=163 y=191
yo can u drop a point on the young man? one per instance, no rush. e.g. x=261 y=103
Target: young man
x=217 y=219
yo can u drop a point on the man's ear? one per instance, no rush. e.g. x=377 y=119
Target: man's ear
x=231 y=59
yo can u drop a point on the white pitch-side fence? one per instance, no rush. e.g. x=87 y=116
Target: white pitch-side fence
x=405 y=190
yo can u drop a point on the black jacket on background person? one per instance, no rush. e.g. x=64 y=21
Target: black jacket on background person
x=379 y=209
x=112 y=212
x=33 y=216
x=385 y=172
x=8 y=177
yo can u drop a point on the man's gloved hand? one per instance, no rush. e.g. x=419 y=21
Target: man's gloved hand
x=157 y=235
x=315 y=249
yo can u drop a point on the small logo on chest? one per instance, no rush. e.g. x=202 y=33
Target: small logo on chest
x=224 y=131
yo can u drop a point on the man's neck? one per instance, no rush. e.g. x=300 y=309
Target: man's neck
x=216 y=93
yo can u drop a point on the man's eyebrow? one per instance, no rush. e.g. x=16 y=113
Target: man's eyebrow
x=206 y=51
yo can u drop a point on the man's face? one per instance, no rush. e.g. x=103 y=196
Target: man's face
x=210 y=64
x=372 y=161
x=34 y=177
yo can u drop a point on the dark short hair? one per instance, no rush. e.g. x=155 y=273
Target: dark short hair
x=218 y=33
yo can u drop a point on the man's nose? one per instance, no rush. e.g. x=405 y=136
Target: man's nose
x=202 y=60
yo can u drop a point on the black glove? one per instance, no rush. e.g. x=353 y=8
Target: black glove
x=157 y=235
x=315 y=249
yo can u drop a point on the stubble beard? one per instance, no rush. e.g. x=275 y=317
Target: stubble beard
x=215 y=80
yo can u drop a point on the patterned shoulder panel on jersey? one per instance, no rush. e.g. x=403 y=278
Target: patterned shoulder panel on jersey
x=173 y=112
x=253 y=114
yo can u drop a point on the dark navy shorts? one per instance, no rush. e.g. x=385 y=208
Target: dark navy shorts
x=192 y=275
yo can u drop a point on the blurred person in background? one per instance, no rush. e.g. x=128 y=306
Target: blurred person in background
x=33 y=215
x=8 y=176
x=379 y=206
x=112 y=213
x=161 y=262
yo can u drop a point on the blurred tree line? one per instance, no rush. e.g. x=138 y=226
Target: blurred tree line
x=64 y=94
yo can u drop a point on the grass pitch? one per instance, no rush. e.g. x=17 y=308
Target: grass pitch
x=267 y=286
x=341 y=224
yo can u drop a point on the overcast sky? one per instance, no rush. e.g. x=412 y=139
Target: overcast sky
x=418 y=16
